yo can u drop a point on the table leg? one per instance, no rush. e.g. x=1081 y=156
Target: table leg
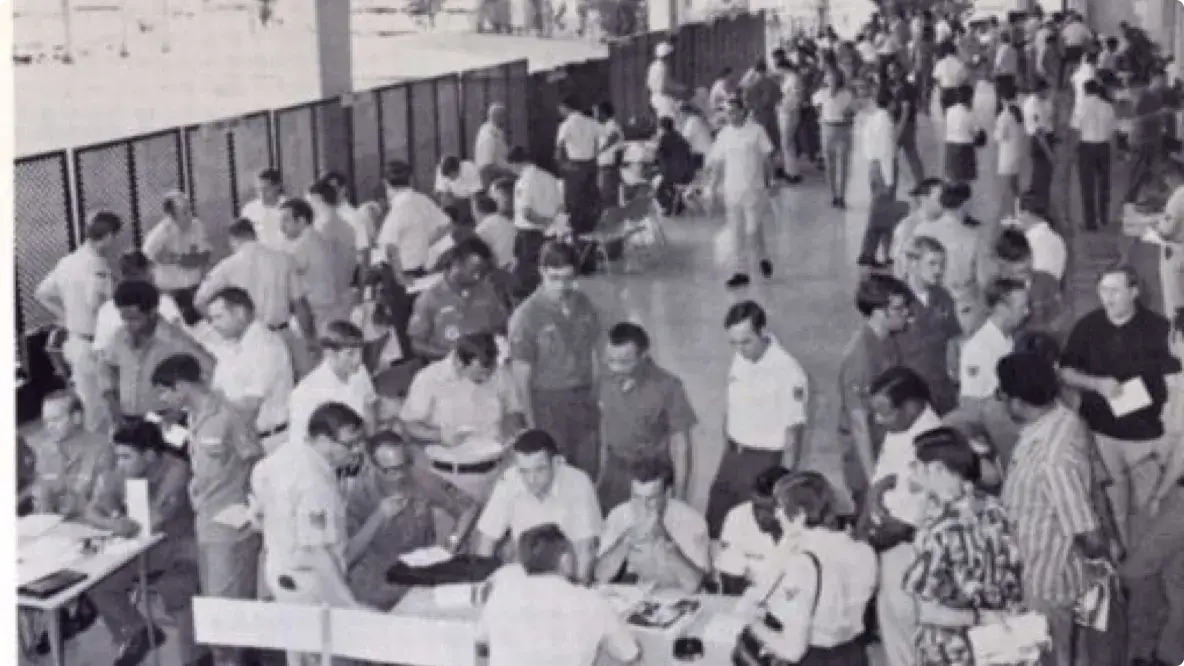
x=143 y=566
x=56 y=649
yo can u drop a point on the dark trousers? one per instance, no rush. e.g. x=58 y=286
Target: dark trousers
x=184 y=300
x=733 y=481
x=1093 y=166
x=1041 y=183
x=572 y=418
x=175 y=580
x=1144 y=157
x=608 y=179
x=809 y=133
x=581 y=194
x=882 y=219
x=525 y=276
x=907 y=144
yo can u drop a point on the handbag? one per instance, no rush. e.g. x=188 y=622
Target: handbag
x=749 y=650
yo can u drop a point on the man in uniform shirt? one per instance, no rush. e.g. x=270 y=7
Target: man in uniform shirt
x=144 y=341
x=338 y=234
x=339 y=378
x=1120 y=343
x=766 y=410
x=463 y=402
x=180 y=252
x=539 y=488
x=71 y=461
x=413 y=223
x=222 y=450
x=140 y=453
x=313 y=257
x=390 y=512
x=748 y=540
x=491 y=150
x=554 y=347
x=269 y=276
x=885 y=304
x=644 y=414
x=575 y=152
x=264 y=210
x=933 y=326
x=652 y=538
x=462 y=303
x=254 y=370
x=1007 y=302
x=73 y=292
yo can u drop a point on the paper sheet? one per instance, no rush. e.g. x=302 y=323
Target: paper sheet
x=139 y=507
x=723 y=628
x=1131 y=398
x=237 y=516
x=426 y=557
x=459 y=595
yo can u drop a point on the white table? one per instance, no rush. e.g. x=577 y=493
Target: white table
x=656 y=649
x=115 y=555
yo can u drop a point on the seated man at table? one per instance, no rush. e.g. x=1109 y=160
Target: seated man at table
x=748 y=540
x=464 y=403
x=389 y=513
x=652 y=538
x=541 y=488
x=141 y=453
x=464 y=302
x=71 y=459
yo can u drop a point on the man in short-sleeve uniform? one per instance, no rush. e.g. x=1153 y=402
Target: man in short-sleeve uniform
x=766 y=411
x=463 y=303
x=71 y=462
x=179 y=250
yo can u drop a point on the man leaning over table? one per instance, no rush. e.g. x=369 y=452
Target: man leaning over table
x=464 y=401
x=541 y=488
x=653 y=538
x=141 y=453
x=340 y=377
x=390 y=512
x=464 y=302
x=223 y=448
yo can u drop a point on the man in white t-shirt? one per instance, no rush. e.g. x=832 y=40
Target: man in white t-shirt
x=264 y=211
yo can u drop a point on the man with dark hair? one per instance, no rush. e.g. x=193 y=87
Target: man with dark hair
x=644 y=414
x=1048 y=311
x=575 y=153
x=462 y=303
x=144 y=341
x=540 y=487
x=457 y=182
x=766 y=411
x=359 y=221
x=326 y=284
x=652 y=538
x=133 y=266
x=222 y=450
x=1040 y=125
x=338 y=234
x=554 y=347
x=140 y=453
x=413 y=222
x=1049 y=253
x=340 y=378
x=264 y=210
x=748 y=542
x=676 y=166
x=496 y=229
x=1008 y=306
x=535 y=615
x=73 y=291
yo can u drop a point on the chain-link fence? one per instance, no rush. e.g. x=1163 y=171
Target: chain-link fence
x=43 y=234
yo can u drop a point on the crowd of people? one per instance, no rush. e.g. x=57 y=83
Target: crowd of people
x=345 y=372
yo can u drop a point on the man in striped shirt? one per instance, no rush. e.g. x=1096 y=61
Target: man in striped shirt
x=1046 y=494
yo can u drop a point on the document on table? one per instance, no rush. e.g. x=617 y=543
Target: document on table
x=1132 y=396
x=458 y=595
x=723 y=628
x=237 y=516
x=426 y=557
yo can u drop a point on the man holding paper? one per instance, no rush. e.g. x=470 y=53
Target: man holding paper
x=222 y=449
x=1119 y=357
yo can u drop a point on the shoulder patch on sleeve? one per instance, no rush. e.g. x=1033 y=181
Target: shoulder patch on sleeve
x=799 y=393
x=318 y=519
x=972 y=370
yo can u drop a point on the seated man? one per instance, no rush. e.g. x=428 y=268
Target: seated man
x=464 y=403
x=541 y=488
x=654 y=539
x=748 y=540
x=140 y=453
x=71 y=461
x=389 y=513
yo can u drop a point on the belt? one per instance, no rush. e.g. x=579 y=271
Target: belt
x=81 y=336
x=274 y=431
x=842 y=123
x=742 y=448
x=278 y=327
x=466 y=468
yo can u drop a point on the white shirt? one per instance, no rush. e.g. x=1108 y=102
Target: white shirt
x=343 y=246
x=609 y=129
x=1012 y=141
x=980 y=355
x=539 y=191
x=960 y=125
x=544 y=620
x=441 y=397
x=570 y=503
x=167 y=237
x=490 y=147
x=323 y=386
x=697 y=133
x=364 y=231
x=879 y=139
x=108 y=322
x=686 y=527
x=466 y=183
x=1049 y=253
x=742 y=153
x=791 y=91
x=412 y=225
x=897 y=456
x=942 y=31
x=499 y=233
x=656 y=77
x=1076 y=34
x=267 y=221
x=1038 y=116
x=745 y=550
x=578 y=135
x=765 y=398
x=950 y=72
x=80 y=282
x=1094 y=117
x=1084 y=72
x=834 y=107
x=256 y=366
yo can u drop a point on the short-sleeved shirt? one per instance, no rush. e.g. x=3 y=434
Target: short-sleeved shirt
x=465 y=184
x=81 y=281
x=557 y=339
x=686 y=527
x=539 y=191
x=1049 y=254
x=313 y=259
x=444 y=314
x=412 y=225
x=168 y=494
x=657 y=77
x=949 y=72
x=167 y=237
x=490 y=147
x=268 y=221
x=441 y=397
x=132 y=367
x=322 y=386
x=980 y=355
x=302 y=506
x=108 y=321
x=961 y=125
x=866 y=357
x=267 y=274
x=341 y=238
x=640 y=412
x=68 y=471
x=499 y=233
x=222 y=450
x=745 y=549
x=570 y=503
x=765 y=398
x=743 y=152
x=578 y=135
x=924 y=343
x=256 y=366
x=834 y=107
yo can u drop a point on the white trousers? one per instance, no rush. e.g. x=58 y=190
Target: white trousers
x=87 y=379
x=664 y=106
x=896 y=609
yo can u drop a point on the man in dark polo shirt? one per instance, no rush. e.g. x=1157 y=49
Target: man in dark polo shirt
x=925 y=344
x=644 y=413
x=1119 y=343
x=464 y=302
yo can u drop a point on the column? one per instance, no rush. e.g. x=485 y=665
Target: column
x=334 y=45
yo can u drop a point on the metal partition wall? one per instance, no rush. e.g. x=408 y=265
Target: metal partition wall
x=252 y=151
x=44 y=231
x=210 y=166
x=297 y=146
x=449 y=123
x=424 y=131
x=544 y=115
x=366 y=146
x=157 y=169
x=394 y=105
x=103 y=176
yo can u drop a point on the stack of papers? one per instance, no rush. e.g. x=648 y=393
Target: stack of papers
x=426 y=557
x=1132 y=397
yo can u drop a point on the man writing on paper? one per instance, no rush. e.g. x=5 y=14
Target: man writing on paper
x=223 y=448
x=1123 y=347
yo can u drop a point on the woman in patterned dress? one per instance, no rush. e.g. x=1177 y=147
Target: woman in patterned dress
x=967 y=571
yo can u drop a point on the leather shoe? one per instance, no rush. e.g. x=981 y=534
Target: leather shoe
x=133 y=650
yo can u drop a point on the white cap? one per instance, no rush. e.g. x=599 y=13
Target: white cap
x=664 y=49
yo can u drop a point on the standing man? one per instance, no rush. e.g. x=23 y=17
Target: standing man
x=905 y=104
x=766 y=412
x=1094 y=118
x=73 y=292
x=180 y=253
x=340 y=378
x=315 y=265
x=1007 y=302
x=358 y=220
x=660 y=82
x=338 y=234
x=742 y=157
x=1110 y=351
x=1049 y=253
x=789 y=116
x=1039 y=122
x=491 y=148
x=463 y=303
x=554 y=339
x=413 y=223
x=575 y=152
x=644 y=414
x=222 y=450
x=933 y=326
x=761 y=95
x=264 y=210
x=1147 y=134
